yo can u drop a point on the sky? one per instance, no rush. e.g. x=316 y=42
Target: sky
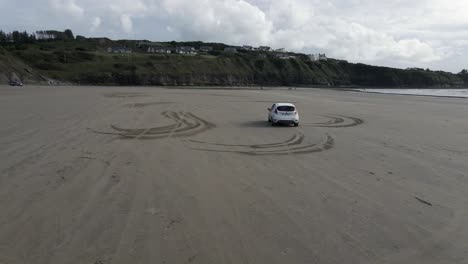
x=397 y=33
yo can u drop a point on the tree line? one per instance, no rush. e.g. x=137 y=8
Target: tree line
x=18 y=37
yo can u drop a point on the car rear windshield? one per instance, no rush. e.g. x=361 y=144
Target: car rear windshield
x=286 y=108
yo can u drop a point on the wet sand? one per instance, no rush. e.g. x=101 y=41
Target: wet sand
x=149 y=175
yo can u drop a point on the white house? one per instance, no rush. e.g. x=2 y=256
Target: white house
x=206 y=48
x=186 y=50
x=264 y=48
x=317 y=57
x=322 y=57
x=284 y=56
x=160 y=50
x=119 y=50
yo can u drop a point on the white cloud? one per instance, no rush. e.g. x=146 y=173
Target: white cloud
x=95 y=24
x=360 y=43
x=228 y=20
x=67 y=7
x=290 y=14
x=126 y=23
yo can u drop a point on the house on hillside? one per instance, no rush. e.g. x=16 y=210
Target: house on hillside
x=281 y=50
x=284 y=56
x=245 y=47
x=119 y=50
x=264 y=48
x=159 y=50
x=206 y=49
x=317 y=57
x=186 y=50
x=145 y=44
x=230 y=49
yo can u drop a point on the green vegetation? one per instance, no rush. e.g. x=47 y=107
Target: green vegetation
x=464 y=75
x=86 y=61
x=11 y=68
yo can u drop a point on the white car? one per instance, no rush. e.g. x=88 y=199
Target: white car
x=283 y=113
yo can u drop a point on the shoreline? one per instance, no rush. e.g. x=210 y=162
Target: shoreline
x=410 y=92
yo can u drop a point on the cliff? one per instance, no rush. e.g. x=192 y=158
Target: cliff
x=86 y=61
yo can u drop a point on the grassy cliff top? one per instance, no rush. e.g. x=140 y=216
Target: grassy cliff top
x=87 y=61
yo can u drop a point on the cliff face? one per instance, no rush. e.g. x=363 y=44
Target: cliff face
x=244 y=71
x=86 y=62
x=13 y=69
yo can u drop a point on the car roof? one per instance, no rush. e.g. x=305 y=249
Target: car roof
x=284 y=104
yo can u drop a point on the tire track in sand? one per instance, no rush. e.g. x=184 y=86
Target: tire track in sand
x=337 y=121
x=141 y=105
x=185 y=124
x=293 y=145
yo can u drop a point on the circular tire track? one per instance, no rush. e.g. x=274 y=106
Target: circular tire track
x=124 y=95
x=294 y=145
x=185 y=124
x=294 y=140
x=337 y=121
x=141 y=105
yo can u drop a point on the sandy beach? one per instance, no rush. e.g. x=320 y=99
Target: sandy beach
x=104 y=175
